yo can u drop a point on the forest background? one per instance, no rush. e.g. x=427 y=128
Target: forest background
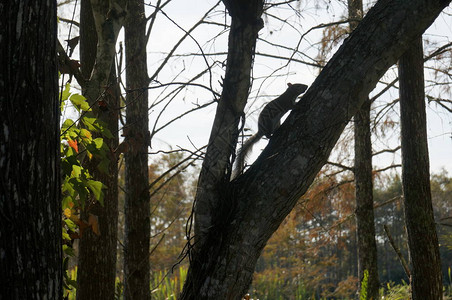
x=314 y=252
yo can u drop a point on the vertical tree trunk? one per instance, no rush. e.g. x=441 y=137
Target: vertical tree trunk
x=365 y=225
x=367 y=246
x=96 y=272
x=426 y=281
x=30 y=205
x=214 y=209
x=136 y=132
x=97 y=255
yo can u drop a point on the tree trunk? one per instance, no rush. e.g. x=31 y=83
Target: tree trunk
x=244 y=213
x=136 y=139
x=367 y=246
x=97 y=255
x=426 y=281
x=212 y=205
x=365 y=225
x=96 y=271
x=216 y=170
x=30 y=204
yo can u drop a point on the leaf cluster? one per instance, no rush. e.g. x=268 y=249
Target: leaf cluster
x=79 y=146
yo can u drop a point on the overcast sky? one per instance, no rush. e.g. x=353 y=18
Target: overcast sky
x=195 y=128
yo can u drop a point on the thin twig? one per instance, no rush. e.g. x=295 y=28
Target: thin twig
x=397 y=250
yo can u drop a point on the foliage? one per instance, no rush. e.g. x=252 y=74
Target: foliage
x=79 y=189
x=171 y=194
x=70 y=294
x=364 y=286
x=395 y=292
x=77 y=144
x=168 y=287
x=315 y=247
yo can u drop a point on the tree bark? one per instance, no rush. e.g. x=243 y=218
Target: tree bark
x=136 y=138
x=212 y=205
x=365 y=225
x=216 y=170
x=97 y=254
x=367 y=246
x=244 y=213
x=30 y=204
x=426 y=277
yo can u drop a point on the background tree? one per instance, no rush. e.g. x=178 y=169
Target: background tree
x=30 y=203
x=420 y=223
x=136 y=140
x=97 y=254
x=365 y=227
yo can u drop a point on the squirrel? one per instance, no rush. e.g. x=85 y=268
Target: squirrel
x=269 y=121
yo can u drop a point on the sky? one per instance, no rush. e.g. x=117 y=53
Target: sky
x=193 y=130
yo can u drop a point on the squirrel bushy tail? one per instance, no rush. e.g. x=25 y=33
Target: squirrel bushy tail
x=269 y=121
x=244 y=150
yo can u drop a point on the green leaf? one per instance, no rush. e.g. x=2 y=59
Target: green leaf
x=90 y=123
x=107 y=133
x=71 y=225
x=66 y=236
x=96 y=189
x=68 y=190
x=66 y=93
x=99 y=142
x=76 y=171
x=86 y=134
x=68 y=250
x=96 y=125
x=104 y=165
x=68 y=123
x=80 y=102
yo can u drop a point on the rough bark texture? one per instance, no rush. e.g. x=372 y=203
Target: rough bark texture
x=212 y=204
x=215 y=173
x=244 y=213
x=136 y=135
x=97 y=255
x=365 y=225
x=367 y=247
x=426 y=277
x=30 y=205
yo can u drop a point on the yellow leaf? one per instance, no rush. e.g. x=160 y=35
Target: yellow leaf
x=86 y=133
x=67 y=212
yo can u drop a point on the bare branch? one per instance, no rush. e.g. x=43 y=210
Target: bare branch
x=69 y=21
x=397 y=251
x=187 y=34
x=387 y=151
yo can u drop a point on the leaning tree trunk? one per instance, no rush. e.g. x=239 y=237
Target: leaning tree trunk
x=30 y=206
x=426 y=277
x=136 y=138
x=365 y=225
x=237 y=218
x=97 y=254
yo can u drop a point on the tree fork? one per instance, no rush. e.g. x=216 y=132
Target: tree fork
x=263 y=196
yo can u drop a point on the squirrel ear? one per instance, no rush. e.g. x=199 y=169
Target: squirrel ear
x=289 y=84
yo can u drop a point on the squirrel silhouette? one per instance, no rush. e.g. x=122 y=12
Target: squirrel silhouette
x=269 y=121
